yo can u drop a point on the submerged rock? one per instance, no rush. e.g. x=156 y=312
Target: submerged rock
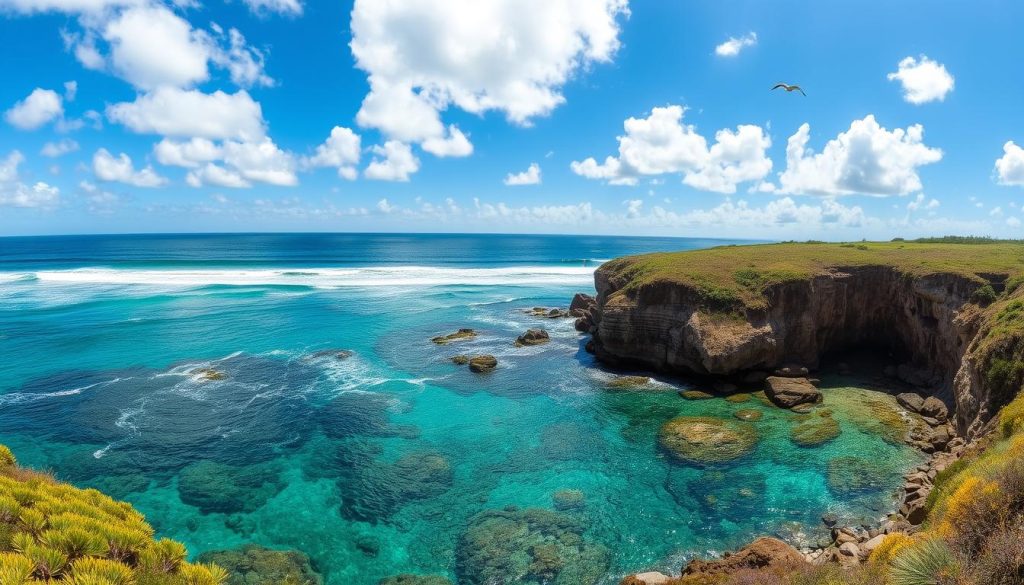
x=849 y=475
x=530 y=546
x=623 y=382
x=459 y=335
x=568 y=499
x=338 y=354
x=215 y=487
x=408 y=579
x=702 y=439
x=362 y=414
x=256 y=565
x=209 y=375
x=695 y=395
x=814 y=430
x=748 y=415
x=533 y=337
x=482 y=363
x=738 y=398
x=547 y=313
x=789 y=392
x=460 y=360
x=373 y=490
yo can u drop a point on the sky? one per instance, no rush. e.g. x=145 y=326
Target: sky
x=643 y=117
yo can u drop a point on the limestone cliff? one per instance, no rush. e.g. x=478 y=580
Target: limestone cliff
x=932 y=321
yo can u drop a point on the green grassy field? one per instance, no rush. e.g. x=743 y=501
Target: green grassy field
x=739 y=275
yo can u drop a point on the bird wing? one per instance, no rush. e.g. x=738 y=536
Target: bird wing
x=782 y=85
x=798 y=88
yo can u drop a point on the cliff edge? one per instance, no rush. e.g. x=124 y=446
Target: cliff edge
x=952 y=314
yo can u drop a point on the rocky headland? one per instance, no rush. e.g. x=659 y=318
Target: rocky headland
x=949 y=318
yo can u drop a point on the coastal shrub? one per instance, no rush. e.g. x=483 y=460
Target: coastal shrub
x=972 y=512
x=984 y=295
x=1002 y=562
x=55 y=533
x=1011 y=418
x=891 y=546
x=927 y=562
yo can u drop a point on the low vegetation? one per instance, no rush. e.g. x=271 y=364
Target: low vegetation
x=52 y=532
x=738 y=276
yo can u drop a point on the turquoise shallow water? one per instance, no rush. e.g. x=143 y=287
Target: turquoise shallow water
x=381 y=463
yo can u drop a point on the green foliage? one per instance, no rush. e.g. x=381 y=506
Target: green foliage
x=984 y=295
x=6 y=457
x=928 y=562
x=56 y=533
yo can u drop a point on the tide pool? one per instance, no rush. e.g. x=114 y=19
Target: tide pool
x=197 y=377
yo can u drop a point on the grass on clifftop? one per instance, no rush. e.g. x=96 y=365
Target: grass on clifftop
x=737 y=276
x=52 y=532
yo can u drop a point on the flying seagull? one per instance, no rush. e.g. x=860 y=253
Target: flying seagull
x=789 y=88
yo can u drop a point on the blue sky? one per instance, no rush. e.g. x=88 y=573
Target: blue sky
x=501 y=116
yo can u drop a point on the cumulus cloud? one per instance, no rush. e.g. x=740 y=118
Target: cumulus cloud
x=217 y=176
x=393 y=162
x=120 y=169
x=70 y=6
x=242 y=162
x=454 y=144
x=261 y=161
x=15 y=193
x=283 y=7
x=661 y=144
x=512 y=56
x=59 y=148
x=866 y=159
x=923 y=80
x=530 y=176
x=1010 y=167
x=41 y=107
x=189 y=154
x=342 y=151
x=176 y=112
x=922 y=202
x=733 y=46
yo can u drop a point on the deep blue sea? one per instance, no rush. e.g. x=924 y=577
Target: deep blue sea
x=197 y=377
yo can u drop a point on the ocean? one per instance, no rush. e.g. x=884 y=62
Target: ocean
x=199 y=378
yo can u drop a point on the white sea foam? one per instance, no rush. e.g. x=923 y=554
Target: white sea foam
x=400 y=276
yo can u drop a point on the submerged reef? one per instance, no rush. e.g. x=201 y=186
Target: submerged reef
x=257 y=565
x=703 y=439
x=215 y=487
x=530 y=546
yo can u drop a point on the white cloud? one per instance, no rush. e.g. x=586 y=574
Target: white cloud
x=922 y=202
x=530 y=176
x=513 y=56
x=394 y=162
x=633 y=208
x=996 y=211
x=243 y=63
x=866 y=159
x=191 y=113
x=923 y=81
x=120 y=169
x=1010 y=167
x=661 y=144
x=455 y=144
x=40 y=107
x=15 y=193
x=216 y=175
x=733 y=46
x=150 y=46
x=261 y=161
x=188 y=154
x=285 y=7
x=1013 y=222
x=70 y=90
x=342 y=150
x=71 y=6
x=60 y=148
x=384 y=207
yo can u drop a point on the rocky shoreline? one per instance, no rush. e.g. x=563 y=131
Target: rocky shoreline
x=933 y=322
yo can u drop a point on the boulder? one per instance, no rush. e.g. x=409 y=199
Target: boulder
x=912 y=401
x=459 y=335
x=582 y=324
x=789 y=392
x=482 y=363
x=581 y=304
x=533 y=337
x=763 y=553
x=850 y=549
x=651 y=578
x=934 y=408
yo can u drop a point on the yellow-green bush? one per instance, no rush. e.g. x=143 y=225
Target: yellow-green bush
x=51 y=532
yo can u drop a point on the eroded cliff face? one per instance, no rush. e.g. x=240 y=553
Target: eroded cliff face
x=929 y=323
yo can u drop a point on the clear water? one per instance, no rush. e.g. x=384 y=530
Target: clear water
x=377 y=464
